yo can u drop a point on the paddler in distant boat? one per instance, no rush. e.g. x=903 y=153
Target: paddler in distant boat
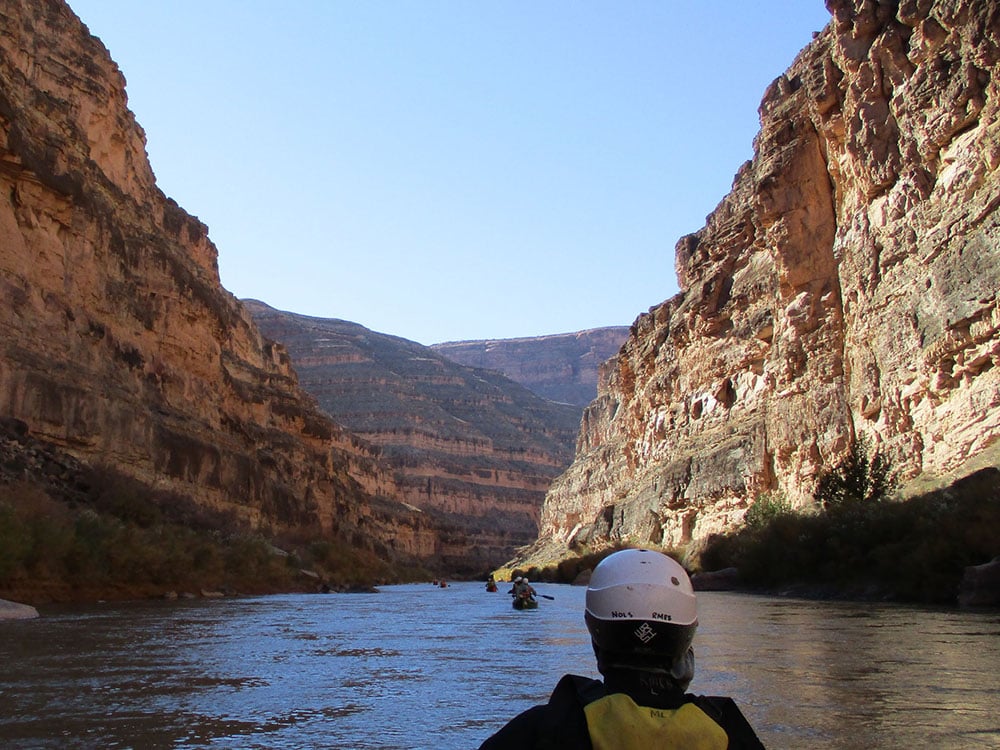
x=491 y=584
x=524 y=595
x=527 y=592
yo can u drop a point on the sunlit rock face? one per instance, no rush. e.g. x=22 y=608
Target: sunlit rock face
x=469 y=444
x=561 y=367
x=847 y=285
x=117 y=342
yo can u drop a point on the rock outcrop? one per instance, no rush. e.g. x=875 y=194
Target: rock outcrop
x=470 y=445
x=118 y=344
x=561 y=367
x=847 y=285
x=981 y=585
x=16 y=611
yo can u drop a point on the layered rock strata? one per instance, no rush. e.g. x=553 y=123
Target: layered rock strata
x=561 y=367
x=118 y=344
x=847 y=285
x=468 y=445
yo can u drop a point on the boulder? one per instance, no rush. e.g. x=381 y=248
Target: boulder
x=716 y=580
x=583 y=578
x=15 y=611
x=981 y=585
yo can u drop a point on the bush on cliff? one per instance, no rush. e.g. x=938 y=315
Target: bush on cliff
x=859 y=478
x=766 y=509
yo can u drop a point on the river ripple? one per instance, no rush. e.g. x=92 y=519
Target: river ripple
x=423 y=667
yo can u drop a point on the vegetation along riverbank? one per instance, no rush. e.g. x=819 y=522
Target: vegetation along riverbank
x=93 y=535
x=113 y=541
x=858 y=542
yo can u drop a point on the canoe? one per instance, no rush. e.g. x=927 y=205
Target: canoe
x=525 y=604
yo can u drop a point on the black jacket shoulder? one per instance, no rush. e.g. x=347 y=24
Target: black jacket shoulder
x=559 y=724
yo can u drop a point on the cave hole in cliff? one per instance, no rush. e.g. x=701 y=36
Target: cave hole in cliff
x=726 y=395
x=606 y=521
x=696 y=409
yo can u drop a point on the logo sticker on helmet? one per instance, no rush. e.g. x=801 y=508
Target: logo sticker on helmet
x=645 y=633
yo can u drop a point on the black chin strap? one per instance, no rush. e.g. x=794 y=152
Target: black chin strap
x=656 y=689
x=648 y=674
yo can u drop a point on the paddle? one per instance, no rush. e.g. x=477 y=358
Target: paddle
x=546 y=596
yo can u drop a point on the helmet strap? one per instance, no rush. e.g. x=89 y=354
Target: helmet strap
x=657 y=684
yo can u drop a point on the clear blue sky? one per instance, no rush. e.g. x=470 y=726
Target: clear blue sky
x=450 y=169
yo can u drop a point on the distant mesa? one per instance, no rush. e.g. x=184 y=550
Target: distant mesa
x=561 y=367
x=470 y=444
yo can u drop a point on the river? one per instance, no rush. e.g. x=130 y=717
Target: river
x=419 y=666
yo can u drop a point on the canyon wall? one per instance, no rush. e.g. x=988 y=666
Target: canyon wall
x=846 y=286
x=469 y=445
x=561 y=367
x=118 y=344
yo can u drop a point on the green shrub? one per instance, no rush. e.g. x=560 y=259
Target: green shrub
x=857 y=479
x=765 y=509
x=15 y=541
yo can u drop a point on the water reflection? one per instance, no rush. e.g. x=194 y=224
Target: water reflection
x=845 y=675
x=420 y=667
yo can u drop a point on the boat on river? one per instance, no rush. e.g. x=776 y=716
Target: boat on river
x=520 y=603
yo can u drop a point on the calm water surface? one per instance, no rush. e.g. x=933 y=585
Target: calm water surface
x=424 y=667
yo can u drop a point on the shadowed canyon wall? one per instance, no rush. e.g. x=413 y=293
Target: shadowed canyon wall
x=847 y=285
x=117 y=343
x=467 y=443
x=561 y=367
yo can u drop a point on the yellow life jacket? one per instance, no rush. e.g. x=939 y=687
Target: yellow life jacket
x=615 y=722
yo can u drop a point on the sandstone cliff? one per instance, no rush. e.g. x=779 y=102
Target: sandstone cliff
x=117 y=343
x=847 y=285
x=469 y=444
x=562 y=367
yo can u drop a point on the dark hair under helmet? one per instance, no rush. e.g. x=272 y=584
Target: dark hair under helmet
x=641 y=607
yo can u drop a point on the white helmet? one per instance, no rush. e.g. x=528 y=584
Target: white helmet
x=641 y=602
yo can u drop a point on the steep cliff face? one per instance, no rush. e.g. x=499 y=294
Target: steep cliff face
x=117 y=342
x=469 y=444
x=847 y=285
x=562 y=367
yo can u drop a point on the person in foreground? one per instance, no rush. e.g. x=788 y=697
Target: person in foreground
x=642 y=615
